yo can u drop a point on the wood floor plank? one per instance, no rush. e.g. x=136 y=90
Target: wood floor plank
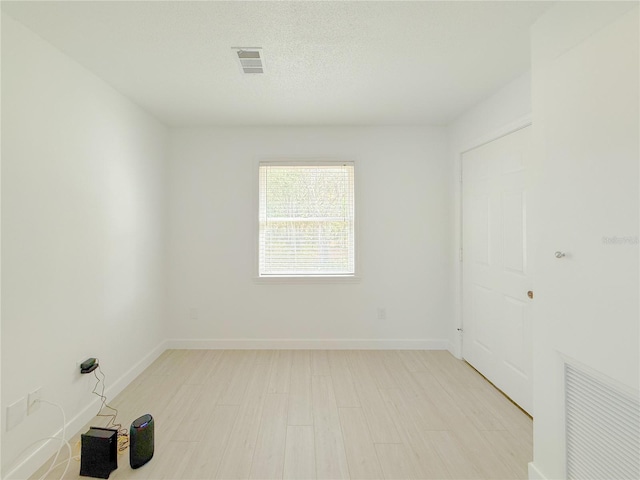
x=482 y=454
x=242 y=362
x=170 y=462
x=168 y=362
x=394 y=461
x=186 y=424
x=219 y=426
x=375 y=361
x=331 y=460
x=422 y=412
x=300 y=412
x=300 y=457
x=224 y=371
x=381 y=426
x=401 y=375
x=202 y=364
x=280 y=373
x=510 y=415
x=301 y=360
x=511 y=450
x=446 y=368
x=412 y=396
x=344 y=386
x=359 y=447
x=411 y=360
x=423 y=459
x=446 y=407
x=319 y=363
x=168 y=418
x=338 y=358
x=474 y=408
x=265 y=356
x=452 y=455
x=236 y=461
x=268 y=457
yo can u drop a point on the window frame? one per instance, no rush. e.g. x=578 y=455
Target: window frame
x=305 y=279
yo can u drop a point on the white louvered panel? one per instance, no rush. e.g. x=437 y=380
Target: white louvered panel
x=603 y=429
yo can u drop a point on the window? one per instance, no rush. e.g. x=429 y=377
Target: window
x=306 y=215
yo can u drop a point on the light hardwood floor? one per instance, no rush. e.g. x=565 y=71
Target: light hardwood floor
x=305 y=414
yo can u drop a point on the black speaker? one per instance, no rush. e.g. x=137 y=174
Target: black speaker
x=99 y=454
x=141 y=441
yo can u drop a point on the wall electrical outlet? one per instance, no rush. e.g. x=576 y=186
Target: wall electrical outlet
x=382 y=313
x=33 y=398
x=16 y=413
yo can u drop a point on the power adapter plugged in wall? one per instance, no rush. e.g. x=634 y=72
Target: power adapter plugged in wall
x=88 y=365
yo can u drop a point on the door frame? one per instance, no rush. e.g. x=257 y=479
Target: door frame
x=514 y=126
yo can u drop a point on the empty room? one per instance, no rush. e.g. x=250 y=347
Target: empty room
x=320 y=240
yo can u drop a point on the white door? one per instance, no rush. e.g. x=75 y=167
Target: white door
x=496 y=308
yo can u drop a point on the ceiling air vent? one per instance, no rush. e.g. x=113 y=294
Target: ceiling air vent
x=250 y=59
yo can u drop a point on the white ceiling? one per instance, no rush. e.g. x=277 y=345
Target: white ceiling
x=327 y=63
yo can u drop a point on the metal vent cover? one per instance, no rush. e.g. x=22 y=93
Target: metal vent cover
x=602 y=427
x=250 y=58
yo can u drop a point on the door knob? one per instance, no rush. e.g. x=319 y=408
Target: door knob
x=559 y=254
x=530 y=294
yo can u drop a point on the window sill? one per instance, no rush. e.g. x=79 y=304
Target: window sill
x=307 y=280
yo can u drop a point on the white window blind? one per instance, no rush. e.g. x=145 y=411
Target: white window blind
x=306 y=216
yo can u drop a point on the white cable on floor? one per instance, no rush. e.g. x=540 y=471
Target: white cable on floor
x=62 y=439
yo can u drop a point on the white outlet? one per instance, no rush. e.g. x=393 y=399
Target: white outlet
x=33 y=403
x=16 y=413
x=193 y=313
x=382 y=313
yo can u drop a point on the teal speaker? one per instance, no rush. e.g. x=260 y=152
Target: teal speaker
x=141 y=441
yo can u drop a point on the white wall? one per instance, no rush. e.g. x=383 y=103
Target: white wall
x=506 y=110
x=82 y=248
x=586 y=138
x=403 y=209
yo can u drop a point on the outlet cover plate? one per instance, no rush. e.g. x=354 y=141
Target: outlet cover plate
x=16 y=413
x=32 y=404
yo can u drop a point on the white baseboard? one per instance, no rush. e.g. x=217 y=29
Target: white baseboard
x=33 y=462
x=534 y=473
x=310 y=344
x=454 y=350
